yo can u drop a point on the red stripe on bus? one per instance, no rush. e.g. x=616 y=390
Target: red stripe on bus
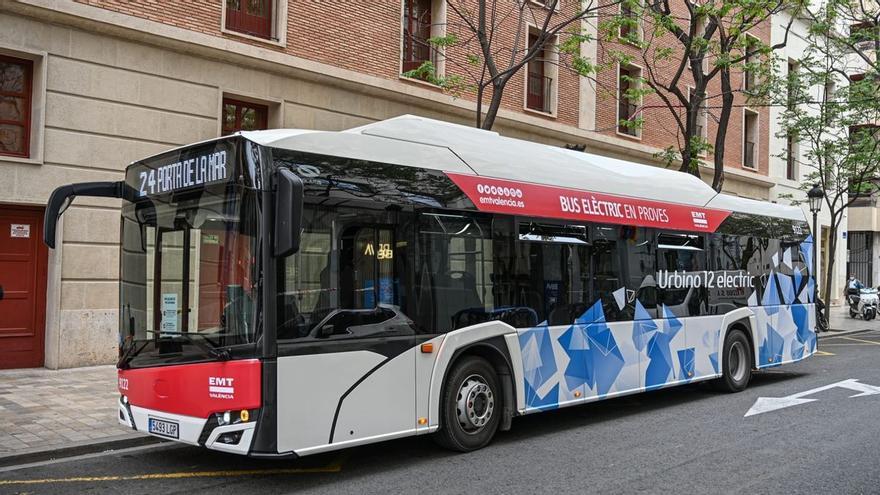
x=537 y=200
x=195 y=389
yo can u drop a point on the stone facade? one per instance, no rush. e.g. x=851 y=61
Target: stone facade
x=117 y=81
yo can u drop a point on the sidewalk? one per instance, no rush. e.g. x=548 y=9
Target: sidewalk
x=840 y=322
x=45 y=410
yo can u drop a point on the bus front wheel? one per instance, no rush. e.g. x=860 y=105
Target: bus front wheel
x=736 y=362
x=471 y=405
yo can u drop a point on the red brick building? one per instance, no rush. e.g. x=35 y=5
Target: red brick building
x=106 y=82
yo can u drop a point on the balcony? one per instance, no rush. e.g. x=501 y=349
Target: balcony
x=539 y=92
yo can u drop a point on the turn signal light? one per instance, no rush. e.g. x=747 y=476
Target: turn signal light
x=423 y=421
x=577 y=393
x=245 y=415
x=427 y=347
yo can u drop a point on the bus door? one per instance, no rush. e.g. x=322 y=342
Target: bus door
x=346 y=349
x=683 y=261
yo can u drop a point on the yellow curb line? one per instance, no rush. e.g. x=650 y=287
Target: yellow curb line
x=861 y=340
x=333 y=468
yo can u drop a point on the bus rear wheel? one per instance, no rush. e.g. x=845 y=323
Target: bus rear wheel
x=736 y=362
x=470 y=405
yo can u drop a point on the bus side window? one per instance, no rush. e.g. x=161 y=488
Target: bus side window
x=726 y=257
x=622 y=271
x=552 y=272
x=346 y=281
x=454 y=278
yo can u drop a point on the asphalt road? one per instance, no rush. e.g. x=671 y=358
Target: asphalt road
x=684 y=440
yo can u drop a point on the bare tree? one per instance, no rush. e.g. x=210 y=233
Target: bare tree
x=484 y=57
x=684 y=51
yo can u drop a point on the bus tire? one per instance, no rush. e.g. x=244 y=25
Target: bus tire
x=470 y=405
x=736 y=362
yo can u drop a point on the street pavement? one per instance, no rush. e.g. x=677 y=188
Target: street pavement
x=42 y=410
x=690 y=439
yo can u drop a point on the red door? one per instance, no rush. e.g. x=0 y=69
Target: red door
x=23 y=281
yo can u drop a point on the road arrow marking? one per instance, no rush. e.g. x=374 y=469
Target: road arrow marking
x=767 y=404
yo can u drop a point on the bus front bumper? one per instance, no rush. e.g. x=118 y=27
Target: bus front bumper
x=234 y=438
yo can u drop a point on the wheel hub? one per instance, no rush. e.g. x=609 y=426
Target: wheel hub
x=737 y=360
x=475 y=404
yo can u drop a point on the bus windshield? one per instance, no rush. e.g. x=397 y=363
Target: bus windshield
x=188 y=276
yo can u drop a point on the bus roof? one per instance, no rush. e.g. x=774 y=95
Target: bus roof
x=432 y=144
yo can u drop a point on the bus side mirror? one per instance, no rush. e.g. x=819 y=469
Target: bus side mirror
x=63 y=196
x=288 y=212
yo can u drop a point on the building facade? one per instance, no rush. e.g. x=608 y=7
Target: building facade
x=789 y=166
x=106 y=82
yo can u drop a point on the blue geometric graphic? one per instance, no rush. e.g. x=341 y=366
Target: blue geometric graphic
x=713 y=358
x=806 y=249
x=539 y=363
x=593 y=315
x=643 y=327
x=686 y=361
x=605 y=359
x=785 y=284
x=549 y=401
x=798 y=278
x=805 y=336
x=660 y=364
x=771 y=348
x=771 y=295
x=672 y=323
x=577 y=373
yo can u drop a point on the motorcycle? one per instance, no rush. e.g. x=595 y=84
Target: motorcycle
x=864 y=304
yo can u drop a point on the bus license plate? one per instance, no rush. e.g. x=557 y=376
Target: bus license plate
x=163 y=428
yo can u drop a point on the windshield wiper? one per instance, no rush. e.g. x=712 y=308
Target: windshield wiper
x=130 y=354
x=220 y=353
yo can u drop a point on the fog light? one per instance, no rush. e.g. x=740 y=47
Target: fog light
x=227 y=418
x=125 y=399
x=230 y=438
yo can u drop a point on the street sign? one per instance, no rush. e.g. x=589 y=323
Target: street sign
x=767 y=404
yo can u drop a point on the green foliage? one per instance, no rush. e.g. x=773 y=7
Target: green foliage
x=838 y=150
x=452 y=84
x=443 y=41
x=709 y=43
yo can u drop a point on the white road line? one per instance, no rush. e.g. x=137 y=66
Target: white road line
x=767 y=404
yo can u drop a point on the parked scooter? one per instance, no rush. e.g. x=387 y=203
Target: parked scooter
x=864 y=303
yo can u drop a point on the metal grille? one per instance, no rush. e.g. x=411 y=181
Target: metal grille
x=859 y=246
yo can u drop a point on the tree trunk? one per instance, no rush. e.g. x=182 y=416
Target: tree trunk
x=832 y=247
x=494 y=104
x=479 y=119
x=721 y=136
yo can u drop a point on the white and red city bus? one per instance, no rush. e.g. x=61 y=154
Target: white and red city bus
x=290 y=292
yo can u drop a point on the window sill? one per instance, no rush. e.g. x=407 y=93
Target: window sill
x=626 y=42
x=550 y=115
x=279 y=43
x=637 y=136
x=750 y=169
x=21 y=159
x=419 y=81
x=544 y=5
